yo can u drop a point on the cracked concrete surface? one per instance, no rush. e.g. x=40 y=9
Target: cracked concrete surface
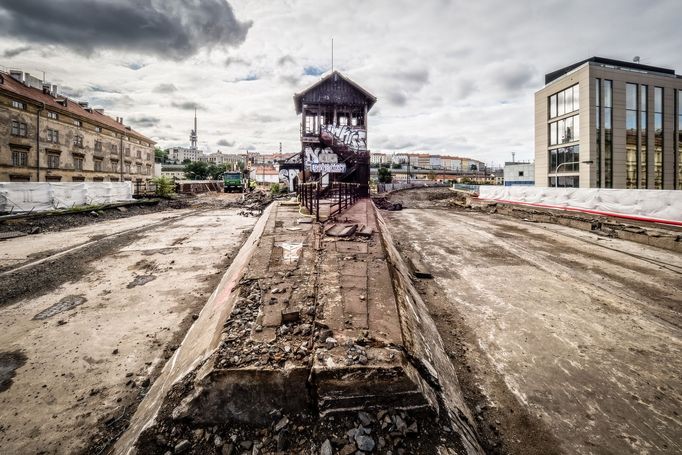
x=89 y=358
x=584 y=331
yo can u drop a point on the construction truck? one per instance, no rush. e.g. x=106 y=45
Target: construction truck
x=233 y=181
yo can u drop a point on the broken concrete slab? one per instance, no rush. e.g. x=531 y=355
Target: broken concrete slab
x=419 y=269
x=341 y=230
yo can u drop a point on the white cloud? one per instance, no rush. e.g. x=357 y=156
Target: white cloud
x=454 y=77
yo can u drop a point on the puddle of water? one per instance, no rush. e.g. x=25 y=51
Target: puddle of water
x=9 y=362
x=141 y=280
x=65 y=304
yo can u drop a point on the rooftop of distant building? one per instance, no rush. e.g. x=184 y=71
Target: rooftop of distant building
x=554 y=75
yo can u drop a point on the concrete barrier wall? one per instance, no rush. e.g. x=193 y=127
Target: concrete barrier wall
x=425 y=346
x=660 y=206
x=198 y=186
x=41 y=196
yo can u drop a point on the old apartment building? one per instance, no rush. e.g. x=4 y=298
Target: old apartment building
x=48 y=137
x=603 y=123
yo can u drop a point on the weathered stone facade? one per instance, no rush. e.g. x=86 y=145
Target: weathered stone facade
x=47 y=137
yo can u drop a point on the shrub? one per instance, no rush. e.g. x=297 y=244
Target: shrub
x=164 y=186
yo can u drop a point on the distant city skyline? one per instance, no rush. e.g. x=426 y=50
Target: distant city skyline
x=452 y=78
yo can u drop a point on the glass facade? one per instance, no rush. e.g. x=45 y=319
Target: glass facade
x=597 y=115
x=564 y=130
x=643 y=155
x=630 y=135
x=565 y=181
x=564 y=102
x=558 y=157
x=658 y=138
x=608 y=133
x=679 y=140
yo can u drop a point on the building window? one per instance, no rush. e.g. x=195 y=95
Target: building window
x=98 y=145
x=597 y=121
x=78 y=141
x=98 y=129
x=658 y=138
x=52 y=161
x=149 y=170
x=52 y=115
x=139 y=154
x=608 y=133
x=77 y=179
x=77 y=123
x=52 y=136
x=565 y=181
x=564 y=130
x=78 y=163
x=139 y=169
x=19 y=128
x=127 y=168
x=114 y=166
x=520 y=173
x=564 y=159
x=630 y=135
x=19 y=158
x=149 y=156
x=127 y=153
x=643 y=152
x=18 y=105
x=98 y=165
x=114 y=148
x=679 y=139
x=564 y=102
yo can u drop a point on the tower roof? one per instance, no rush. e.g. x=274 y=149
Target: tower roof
x=317 y=93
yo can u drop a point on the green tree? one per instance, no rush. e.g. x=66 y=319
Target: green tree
x=160 y=155
x=385 y=175
x=396 y=166
x=197 y=170
x=215 y=172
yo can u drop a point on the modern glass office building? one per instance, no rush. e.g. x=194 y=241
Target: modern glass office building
x=603 y=123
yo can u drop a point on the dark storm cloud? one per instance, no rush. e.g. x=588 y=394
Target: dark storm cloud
x=188 y=105
x=230 y=61
x=9 y=53
x=397 y=98
x=286 y=59
x=144 y=121
x=420 y=76
x=174 y=30
x=165 y=88
x=515 y=77
x=225 y=143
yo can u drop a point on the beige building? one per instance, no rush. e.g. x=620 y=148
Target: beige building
x=604 y=123
x=47 y=137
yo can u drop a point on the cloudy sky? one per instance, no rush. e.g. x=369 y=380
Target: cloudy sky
x=452 y=77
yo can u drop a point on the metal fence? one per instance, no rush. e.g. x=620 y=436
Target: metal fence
x=387 y=187
x=467 y=187
x=338 y=197
x=344 y=195
x=309 y=194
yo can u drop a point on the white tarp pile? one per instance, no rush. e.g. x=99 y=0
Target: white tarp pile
x=651 y=205
x=40 y=196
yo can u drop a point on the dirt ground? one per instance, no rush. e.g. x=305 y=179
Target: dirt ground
x=90 y=314
x=565 y=342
